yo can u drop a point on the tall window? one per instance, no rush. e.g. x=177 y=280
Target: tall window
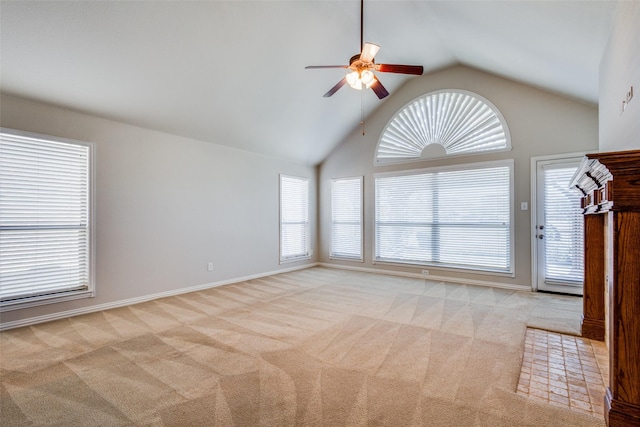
x=454 y=217
x=294 y=218
x=45 y=219
x=346 y=218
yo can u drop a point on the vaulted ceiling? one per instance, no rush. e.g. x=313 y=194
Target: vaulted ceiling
x=232 y=72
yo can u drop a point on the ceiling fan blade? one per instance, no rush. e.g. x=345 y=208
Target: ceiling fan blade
x=311 y=67
x=380 y=91
x=369 y=50
x=335 y=88
x=400 y=69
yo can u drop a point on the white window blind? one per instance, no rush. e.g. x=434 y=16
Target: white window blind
x=446 y=217
x=443 y=123
x=346 y=218
x=294 y=218
x=563 y=233
x=44 y=218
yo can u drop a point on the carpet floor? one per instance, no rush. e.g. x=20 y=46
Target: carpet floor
x=315 y=347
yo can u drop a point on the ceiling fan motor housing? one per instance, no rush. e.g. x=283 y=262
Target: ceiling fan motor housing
x=355 y=62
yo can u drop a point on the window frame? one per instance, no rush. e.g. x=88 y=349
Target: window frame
x=307 y=253
x=510 y=272
x=90 y=291
x=332 y=254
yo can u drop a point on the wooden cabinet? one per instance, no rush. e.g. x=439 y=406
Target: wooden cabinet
x=610 y=183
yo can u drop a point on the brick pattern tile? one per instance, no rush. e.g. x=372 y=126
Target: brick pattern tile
x=564 y=370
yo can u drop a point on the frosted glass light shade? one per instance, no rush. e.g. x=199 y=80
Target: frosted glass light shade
x=358 y=79
x=367 y=77
x=354 y=81
x=369 y=50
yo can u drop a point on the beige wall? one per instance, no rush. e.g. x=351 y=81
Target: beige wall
x=166 y=206
x=540 y=124
x=619 y=70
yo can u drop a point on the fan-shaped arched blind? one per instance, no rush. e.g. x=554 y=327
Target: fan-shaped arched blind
x=443 y=123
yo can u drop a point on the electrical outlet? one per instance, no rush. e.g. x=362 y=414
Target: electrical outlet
x=210 y=266
x=425 y=272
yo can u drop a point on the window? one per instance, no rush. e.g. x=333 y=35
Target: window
x=45 y=219
x=450 y=217
x=443 y=123
x=294 y=218
x=346 y=218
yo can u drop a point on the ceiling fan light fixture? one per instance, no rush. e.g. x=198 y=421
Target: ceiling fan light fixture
x=367 y=77
x=362 y=67
x=360 y=78
x=369 y=51
x=354 y=80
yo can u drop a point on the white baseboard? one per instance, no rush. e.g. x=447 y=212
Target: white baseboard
x=130 y=301
x=430 y=277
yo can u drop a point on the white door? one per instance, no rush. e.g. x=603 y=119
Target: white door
x=558 y=228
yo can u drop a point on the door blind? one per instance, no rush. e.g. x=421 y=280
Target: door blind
x=563 y=227
x=44 y=217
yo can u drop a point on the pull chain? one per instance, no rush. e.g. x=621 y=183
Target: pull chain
x=362 y=110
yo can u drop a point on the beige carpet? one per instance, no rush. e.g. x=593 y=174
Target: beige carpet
x=310 y=348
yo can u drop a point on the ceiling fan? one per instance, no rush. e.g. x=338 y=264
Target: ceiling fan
x=362 y=68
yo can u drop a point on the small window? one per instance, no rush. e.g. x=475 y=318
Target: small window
x=455 y=217
x=45 y=219
x=346 y=218
x=442 y=124
x=294 y=218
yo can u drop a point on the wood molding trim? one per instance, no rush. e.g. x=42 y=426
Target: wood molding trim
x=593 y=317
x=594 y=329
x=618 y=413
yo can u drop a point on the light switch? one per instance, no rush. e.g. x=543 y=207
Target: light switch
x=524 y=206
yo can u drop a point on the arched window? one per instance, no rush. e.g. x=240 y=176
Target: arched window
x=441 y=124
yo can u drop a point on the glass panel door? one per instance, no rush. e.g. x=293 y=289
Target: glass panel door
x=559 y=228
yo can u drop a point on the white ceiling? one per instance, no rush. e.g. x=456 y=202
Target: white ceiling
x=232 y=72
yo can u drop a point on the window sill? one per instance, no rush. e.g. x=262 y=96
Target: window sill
x=443 y=267
x=294 y=259
x=43 y=300
x=346 y=258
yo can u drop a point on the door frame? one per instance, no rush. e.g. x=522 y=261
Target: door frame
x=534 y=208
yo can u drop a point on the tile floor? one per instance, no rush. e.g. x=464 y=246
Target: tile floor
x=564 y=370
